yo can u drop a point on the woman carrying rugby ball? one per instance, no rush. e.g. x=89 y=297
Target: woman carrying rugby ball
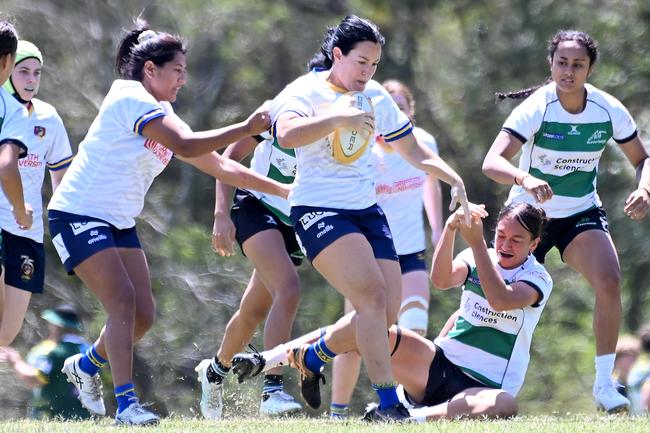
x=333 y=204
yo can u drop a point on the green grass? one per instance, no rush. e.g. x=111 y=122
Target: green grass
x=542 y=424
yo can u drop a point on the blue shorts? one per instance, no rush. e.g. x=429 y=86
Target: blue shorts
x=77 y=237
x=559 y=232
x=24 y=262
x=250 y=216
x=318 y=227
x=412 y=262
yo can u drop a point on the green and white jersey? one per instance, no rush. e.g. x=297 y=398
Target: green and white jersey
x=493 y=346
x=564 y=148
x=279 y=164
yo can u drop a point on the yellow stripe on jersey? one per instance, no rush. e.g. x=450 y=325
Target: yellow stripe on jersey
x=399 y=133
x=61 y=164
x=336 y=88
x=145 y=118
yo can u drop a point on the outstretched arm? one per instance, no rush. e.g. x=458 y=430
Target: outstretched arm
x=233 y=173
x=185 y=143
x=497 y=167
x=223 y=230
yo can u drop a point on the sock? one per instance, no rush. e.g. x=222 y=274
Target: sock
x=92 y=361
x=604 y=368
x=272 y=383
x=216 y=371
x=387 y=394
x=339 y=410
x=276 y=357
x=318 y=355
x=124 y=394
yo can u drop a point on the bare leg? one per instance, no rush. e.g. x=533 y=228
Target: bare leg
x=106 y=276
x=137 y=268
x=349 y=266
x=415 y=289
x=345 y=372
x=472 y=403
x=13 y=308
x=592 y=254
x=254 y=306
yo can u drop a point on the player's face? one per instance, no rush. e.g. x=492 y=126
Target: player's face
x=169 y=78
x=6 y=66
x=354 y=70
x=513 y=242
x=26 y=78
x=570 y=67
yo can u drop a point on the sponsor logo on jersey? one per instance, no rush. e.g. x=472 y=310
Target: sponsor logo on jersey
x=27 y=268
x=163 y=154
x=553 y=136
x=311 y=218
x=97 y=239
x=544 y=161
x=39 y=131
x=598 y=137
x=574 y=130
x=32 y=160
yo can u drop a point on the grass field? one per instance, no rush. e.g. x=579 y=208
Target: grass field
x=298 y=425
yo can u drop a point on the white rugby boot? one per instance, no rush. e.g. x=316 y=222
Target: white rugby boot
x=278 y=403
x=211 y=393
x=607 y=398
x=89 y=387
x=136 y=414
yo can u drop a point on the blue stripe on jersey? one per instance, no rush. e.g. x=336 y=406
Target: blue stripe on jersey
x=401 y=132
x=146 y=118
x=64 y=163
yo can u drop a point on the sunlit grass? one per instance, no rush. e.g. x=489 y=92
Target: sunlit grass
x=540 y=424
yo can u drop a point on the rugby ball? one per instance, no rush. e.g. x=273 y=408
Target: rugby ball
x=349 y=144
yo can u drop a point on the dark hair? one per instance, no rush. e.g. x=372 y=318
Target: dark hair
x=396 y=86
x=532 y=218
x=132 y=53
x=563 y=35
x=8 y=38
x=351 y=30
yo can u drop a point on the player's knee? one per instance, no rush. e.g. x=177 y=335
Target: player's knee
x=144 y=319
x=373 y=300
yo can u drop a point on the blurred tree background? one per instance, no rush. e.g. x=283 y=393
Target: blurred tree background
x=454 y=54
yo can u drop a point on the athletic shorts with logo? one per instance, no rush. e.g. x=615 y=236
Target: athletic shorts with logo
x=559 y=232
x=250 y=217
x=319 y=227
x=78 y=237
x=24 y=262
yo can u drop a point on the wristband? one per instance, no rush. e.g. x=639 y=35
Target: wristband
x=522 y=179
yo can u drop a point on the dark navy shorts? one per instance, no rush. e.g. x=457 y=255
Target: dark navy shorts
x=77 y=237
x=24 y=262
x=250 y=216
x=412 y=262
x=559 y=232
x=318 y=227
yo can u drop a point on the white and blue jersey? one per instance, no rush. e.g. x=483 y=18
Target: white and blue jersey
x=48 y=147
x=321 y=181
x=13 y=118
x=115 y=164
x=399 y=188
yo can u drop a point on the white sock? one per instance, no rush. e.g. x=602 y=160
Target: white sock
x=604 y=368
x=276 y=357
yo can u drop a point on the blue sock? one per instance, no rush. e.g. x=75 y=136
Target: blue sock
x=92 y=361
x=387 y=394
x=318 y=355
x=124 y=394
